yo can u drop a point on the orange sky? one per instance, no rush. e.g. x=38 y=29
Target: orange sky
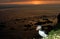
x=34 y=2
x=2 y=1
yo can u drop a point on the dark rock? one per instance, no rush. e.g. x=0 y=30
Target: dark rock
x=18 y=19
x=2 y=26
x=49 y=21
x=40 y=23
x=58 y=17
x=48 y=28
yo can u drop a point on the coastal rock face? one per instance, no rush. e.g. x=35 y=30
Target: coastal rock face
x=25 y=28
x=20 y=21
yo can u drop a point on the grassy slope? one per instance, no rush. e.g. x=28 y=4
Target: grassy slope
x=55 y=34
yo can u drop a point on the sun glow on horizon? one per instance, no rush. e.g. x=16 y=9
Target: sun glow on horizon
x=34 y=2
x=37 y=2
x=25 y=2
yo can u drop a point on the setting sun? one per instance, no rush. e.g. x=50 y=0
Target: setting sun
x=36 y=2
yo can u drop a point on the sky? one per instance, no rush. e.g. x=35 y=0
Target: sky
x=29 y=1
x=24 y=0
